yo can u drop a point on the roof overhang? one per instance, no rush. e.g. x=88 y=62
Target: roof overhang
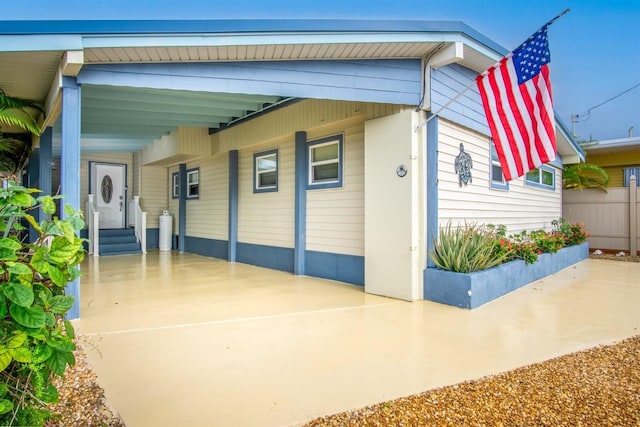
x=566 y=145
x=612 y=145
x=36 y=55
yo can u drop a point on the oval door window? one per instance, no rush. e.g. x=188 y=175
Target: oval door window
x=107 y=189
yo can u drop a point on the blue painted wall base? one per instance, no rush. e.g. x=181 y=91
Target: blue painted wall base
x=273 y=257
x=343 y=268
x=207 y=247
x=475 y=289
x=153 y=238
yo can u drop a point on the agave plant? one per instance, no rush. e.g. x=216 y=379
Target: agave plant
x=467 y=249
x=584 y=175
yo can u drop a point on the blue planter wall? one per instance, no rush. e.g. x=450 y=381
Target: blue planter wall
x=475 y=289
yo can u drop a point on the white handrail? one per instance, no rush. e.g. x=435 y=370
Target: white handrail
x=140 y=224
x=93 y=227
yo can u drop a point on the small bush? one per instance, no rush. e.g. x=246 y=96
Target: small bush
x=36 y=342
x=572 y=234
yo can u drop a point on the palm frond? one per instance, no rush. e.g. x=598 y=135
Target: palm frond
x=584 y=175
x=20 y=119
x=10 y=102
x=13 y=113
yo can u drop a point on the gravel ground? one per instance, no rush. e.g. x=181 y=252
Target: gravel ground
x=596 y=387
x=626 y=257
x=82 y=401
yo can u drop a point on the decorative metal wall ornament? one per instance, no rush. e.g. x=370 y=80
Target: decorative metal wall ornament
x=463 y=164
x=106 y=189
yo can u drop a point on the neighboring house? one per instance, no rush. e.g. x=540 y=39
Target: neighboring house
x=611 y=218
x=295 y=145
x=620 y=158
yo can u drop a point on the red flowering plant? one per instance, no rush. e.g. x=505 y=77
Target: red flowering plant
x=572 y=234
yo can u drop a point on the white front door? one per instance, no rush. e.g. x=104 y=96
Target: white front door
x=108 y=188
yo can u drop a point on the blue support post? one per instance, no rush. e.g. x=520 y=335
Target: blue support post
x=432 y=185
x=40 y=174
x=233 y=205
x=300 y=231
x=70 y=166
x=182 y=208
x=33 y=173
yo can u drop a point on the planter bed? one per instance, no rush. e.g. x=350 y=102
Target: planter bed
x=471 y=290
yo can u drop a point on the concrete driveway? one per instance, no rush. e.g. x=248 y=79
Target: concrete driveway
x=180 y=339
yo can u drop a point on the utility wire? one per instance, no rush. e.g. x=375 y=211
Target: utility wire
x=588 y=112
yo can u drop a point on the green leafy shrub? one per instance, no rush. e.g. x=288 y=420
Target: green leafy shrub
x=467 y=249
x=36 y=342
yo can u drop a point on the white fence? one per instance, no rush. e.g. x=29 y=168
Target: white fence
x=612 y=219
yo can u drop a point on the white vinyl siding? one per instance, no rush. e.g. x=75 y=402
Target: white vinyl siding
x=522 y=207
x=311 y=115
x=335 y=216
x=208 y=217
x=267 y=218
x=153 y=197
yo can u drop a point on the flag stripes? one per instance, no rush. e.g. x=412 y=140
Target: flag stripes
x=520 y=115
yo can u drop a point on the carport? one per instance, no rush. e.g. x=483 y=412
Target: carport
x=119 y=86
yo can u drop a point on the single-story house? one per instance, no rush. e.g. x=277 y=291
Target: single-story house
x=620 y=158
x=317 y=147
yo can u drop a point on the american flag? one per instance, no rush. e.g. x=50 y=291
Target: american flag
x=516 y=95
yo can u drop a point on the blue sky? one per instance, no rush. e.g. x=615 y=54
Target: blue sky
x=595 y=48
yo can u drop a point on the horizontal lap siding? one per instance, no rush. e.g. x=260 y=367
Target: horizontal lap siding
x=267 y=218
x=394 y=81
x=335 y=216
x=451 y=81
x=521 y=207
x=208 y=216
x=313 y=115
x=154 y=193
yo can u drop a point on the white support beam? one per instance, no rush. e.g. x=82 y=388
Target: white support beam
x=70 y=65
x=448 y=55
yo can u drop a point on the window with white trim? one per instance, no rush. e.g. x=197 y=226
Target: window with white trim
x=193 y=183
x=498 y=181
x=542 y=177
x=635 y=171
x=265 y=171
x=325 y=163
x=175 y=185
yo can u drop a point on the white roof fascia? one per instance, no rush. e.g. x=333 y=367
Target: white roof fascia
x=34 y=43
